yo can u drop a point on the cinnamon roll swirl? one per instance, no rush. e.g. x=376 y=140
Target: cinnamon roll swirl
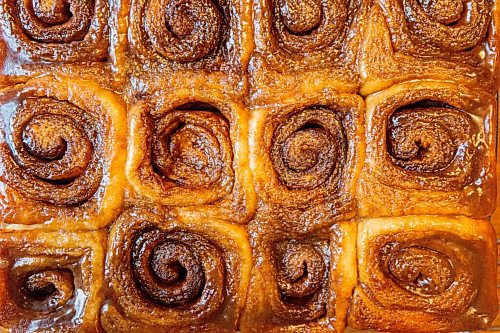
x=198 y=40
x=174 y=273
x=306 y=155
x=435 y=39
x=62 y=147
x=308 y=279
x=449 y=26
x=430 y=150
x=51 y=283
x=188 y=151
x=181 y=31
x=56 y=30
x=302 y=43
x=425 y=269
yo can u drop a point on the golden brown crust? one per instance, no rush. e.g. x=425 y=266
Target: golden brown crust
x=300 y=44
x=440 y=271
x=404 y=41
x=225 y=152
x=149 y=291
x=189 y=40
x=51 y=283
x=73 y=180
x=63 y=32
x=430 y=150
x=307 y=279
x=306 y=154
x=188 y=151
x=448 y=29
x=55 y=37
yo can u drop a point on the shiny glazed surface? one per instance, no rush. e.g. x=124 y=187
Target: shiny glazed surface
x=247 y=165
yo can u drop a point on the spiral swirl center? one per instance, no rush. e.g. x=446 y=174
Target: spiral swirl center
x=417 y=143
x=179 y=20
x=309 y=25
x=183 y=30
x=167 y=269
x=300 y=16
x=308 y=148
x=445 y=12
x=56 y=21
x=195 y=148
x=301 y=270
x=54 y=149
x=421 y=270
x=47 y=290
x=191 y=147
x=169 y=262
x=448 y=25
x=301 y=277
x=39 y=142
x=301 y=149
x=52 y=12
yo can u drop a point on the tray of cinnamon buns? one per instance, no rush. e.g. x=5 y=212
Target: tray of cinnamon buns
x=248 y=165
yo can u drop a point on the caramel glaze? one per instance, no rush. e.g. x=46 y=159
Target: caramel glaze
x=442 y=276
x=430 y=149
x=52 y=282
x=193 y=165
x=443 y=40
x=167 y=273
x=296 y=271
x=57 y=141
x=196 y=156
x=56 y=32
x=305 y=157
x=300 y=44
